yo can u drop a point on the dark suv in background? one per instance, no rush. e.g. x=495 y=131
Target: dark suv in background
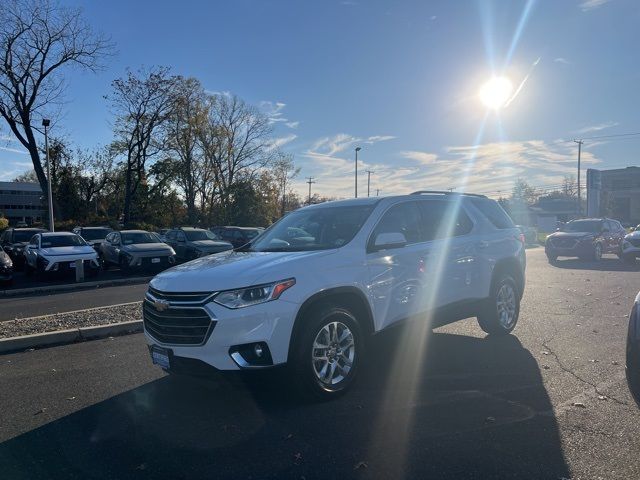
x=14 y=240
x=237 y=236
x=190 y=243
x=94 y=236
x=587 y=238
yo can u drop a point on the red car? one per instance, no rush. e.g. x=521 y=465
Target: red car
x=587 y=238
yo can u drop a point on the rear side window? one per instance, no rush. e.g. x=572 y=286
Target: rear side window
x=494 y=212
x=444 y=219
x=171 y=235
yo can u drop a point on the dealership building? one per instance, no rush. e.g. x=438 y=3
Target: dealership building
x=614 y=193
x=22 y=202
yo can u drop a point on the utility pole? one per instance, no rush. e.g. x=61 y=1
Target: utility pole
x=579 y=208
x=451 y=189
x=377 y=192
x=357 y=150
x=45 y=124
x=310 y=181
x=369 y=172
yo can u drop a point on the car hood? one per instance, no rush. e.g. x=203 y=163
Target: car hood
x=228 y=270
x=145 y=247
x=572 y=234
x=210 y=244
x=77 y=250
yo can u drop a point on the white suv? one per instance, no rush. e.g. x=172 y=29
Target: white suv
x=309 y=290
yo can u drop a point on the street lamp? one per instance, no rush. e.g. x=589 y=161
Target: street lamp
x=45 y=124
x=357 y=150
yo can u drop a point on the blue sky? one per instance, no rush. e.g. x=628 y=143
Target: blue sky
x=398 y=78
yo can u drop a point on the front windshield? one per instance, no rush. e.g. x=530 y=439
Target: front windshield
x=20 y=236
x=138 y=237
x=62 y=241
x=195 y=235
x=591 y=226
x=314 y=229
x=95 y=233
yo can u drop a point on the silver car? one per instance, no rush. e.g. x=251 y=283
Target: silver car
x=136 y=249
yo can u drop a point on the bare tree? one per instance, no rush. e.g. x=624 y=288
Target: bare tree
x=38 y=39
x=184 y=128
x=236 y=144
x=284 y=170
x=143 y=103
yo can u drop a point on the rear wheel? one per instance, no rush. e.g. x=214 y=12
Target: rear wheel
x=327 y=354
x=502 y=309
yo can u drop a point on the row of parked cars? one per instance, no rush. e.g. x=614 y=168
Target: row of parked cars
x=590 y=238
x=38 y=251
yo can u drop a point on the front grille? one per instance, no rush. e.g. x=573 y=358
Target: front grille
x=564 y=242
x=180 y=297
x=177 y=325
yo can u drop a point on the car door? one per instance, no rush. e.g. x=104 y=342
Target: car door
x=110 y=248
x=396 y=274
x=181 y=246
x=31 y=252
x=452 y=253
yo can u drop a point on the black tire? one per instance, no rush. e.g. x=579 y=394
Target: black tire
x=28 y=271
x=124 y=265
x=552 y=258
x=302 y=366
x=490 y=318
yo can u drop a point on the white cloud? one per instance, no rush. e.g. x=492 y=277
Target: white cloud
x=421 y=157
x=224 y=93
x=378 y=138
x=598 y=127
x=292 y=124
x=281 y=141
x=14 y=150
x=588 y=5
x=562 y=60
x=432 y=17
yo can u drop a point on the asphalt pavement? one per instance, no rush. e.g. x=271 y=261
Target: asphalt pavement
x=45 y=304
x=548 y=402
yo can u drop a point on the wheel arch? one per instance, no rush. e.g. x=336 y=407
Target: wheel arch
x=510 y=266
x=348 y=296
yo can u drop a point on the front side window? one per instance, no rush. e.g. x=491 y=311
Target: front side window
x=195 y=235
x=20 y=236
x=403 y=218
x=493 y=211
x=318 y=228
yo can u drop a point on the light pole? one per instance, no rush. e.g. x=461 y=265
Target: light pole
x=357 y=150
x=369 y=172
x=579 y=142
x=45 y=124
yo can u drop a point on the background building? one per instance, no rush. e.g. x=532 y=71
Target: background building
x=22 y=202
x=614 y=193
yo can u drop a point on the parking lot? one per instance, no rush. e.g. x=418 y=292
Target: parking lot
x=549 y=401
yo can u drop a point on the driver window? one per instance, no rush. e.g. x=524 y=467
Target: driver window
x=403 y=218
x=180 y=236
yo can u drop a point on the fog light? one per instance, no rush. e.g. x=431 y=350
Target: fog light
x=258 y=350
x=251 y=355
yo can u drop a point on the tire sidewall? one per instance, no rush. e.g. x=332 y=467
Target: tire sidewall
x=309 y=384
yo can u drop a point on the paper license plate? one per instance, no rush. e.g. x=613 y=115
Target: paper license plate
x=155 y=260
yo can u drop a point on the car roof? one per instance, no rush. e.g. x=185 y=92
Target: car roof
x=189 y=228
x=133 y=231
x=57 y=234
x=91 y=228
x=420 y=194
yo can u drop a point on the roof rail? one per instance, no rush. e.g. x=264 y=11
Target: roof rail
x=447 y=192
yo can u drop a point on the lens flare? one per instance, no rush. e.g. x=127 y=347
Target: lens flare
x=496 y=92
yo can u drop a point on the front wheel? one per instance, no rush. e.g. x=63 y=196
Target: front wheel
x=552 y=258
x=502 y=309
x=327 y=353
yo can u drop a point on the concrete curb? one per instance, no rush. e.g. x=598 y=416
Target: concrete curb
x=62 y=337
x=73 y=286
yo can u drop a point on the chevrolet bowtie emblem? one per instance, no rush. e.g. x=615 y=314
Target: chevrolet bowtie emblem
x=161 y=305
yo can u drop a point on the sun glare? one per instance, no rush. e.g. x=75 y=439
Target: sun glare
x=496 y=92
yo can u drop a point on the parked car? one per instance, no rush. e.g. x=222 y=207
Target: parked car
x=49 y=252
x=190 y=243
x=354 y=268
x=631 y=247
x=14 y=241
x=162 y=234
x=237 y=236
x=587 y=239
x=633 y=351
x=135 y=249
x=94 y=236
x=6 y=268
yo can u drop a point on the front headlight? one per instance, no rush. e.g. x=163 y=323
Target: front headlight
x=245 y=297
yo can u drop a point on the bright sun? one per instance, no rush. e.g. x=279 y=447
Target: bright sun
x=496 y=92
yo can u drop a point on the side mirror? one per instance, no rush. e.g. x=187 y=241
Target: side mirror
x=384 y=241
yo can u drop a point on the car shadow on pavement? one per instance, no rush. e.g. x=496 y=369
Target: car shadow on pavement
x=606 y=264
x=441 y=406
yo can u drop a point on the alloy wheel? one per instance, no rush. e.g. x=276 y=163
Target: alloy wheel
x=333 y=353
x=506 y=305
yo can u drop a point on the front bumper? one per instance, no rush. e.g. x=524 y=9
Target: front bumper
x=270 y=323
x=577 y=249
x=146 y=260
x=68 y=264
